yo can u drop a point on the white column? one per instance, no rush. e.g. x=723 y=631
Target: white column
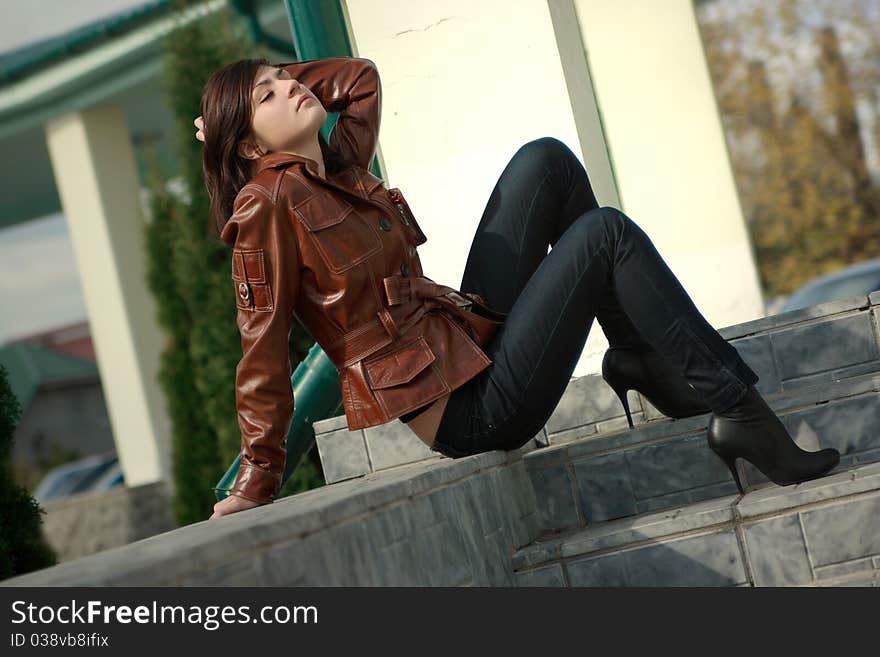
x=623 y=83
x=97 y=181
x=667 y=143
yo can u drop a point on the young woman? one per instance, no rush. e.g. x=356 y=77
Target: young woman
x=316 y=235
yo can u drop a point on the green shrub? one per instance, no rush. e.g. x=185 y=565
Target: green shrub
x=22 y=545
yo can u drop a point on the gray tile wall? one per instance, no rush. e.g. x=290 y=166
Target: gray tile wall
x=451 y=523
x=821 y=533
x=669 y=464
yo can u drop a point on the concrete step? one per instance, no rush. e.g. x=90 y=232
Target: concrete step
x=667 y=463
x=824 y=532
x=790 y=351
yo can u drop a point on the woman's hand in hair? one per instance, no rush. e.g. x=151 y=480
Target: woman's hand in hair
x=231 y=504
x=200 y=128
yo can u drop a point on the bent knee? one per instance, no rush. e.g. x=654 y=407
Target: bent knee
x=544 y=149
x=612 y=214
x=605 y=215
x=603 y=221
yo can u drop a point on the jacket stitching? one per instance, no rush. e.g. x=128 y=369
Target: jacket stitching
x=346 y=390
x=320 y=242
x=377 y=295
x=263 y=283
x=308 y=198
x=481 y=353
x=254 y=187
x=259 y=276
x=276 y=191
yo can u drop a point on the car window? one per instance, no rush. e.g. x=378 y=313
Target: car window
x=846 y=287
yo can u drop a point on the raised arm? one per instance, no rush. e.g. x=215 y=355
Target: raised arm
x=350 y=86
x=265 y=273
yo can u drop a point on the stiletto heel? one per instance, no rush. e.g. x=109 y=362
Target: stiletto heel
x=730 y=462
x=621 y=393
x=625 y=368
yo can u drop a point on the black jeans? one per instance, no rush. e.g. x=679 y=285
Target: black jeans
x=603 y=266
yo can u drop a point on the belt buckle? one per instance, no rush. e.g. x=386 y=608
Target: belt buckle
x=459 y=300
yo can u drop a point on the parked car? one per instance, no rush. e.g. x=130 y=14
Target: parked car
x=98 y=472
x=855 y=280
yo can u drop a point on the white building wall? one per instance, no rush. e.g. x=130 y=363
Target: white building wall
x=667 y=143
x=623 y=83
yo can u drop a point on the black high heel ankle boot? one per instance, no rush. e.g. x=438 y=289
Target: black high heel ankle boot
x=751 y=430
x=626 y=368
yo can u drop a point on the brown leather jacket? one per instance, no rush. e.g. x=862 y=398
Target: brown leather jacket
x=341 y=255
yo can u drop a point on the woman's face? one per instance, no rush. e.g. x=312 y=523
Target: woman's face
x=277 y=123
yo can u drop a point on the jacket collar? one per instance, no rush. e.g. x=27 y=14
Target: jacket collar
x=349 y=180
x=271 y=160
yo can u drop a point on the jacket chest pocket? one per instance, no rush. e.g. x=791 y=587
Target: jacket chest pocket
x=338 y=233
x=412 y=226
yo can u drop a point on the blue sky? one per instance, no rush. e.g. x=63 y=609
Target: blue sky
x=26 y=21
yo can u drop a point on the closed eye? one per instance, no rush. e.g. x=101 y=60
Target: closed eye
x=267 y=96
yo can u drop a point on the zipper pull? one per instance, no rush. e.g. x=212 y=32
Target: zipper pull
x=399 y=207
x=402 y=213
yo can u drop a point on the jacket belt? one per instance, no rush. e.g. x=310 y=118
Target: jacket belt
x=384 y=329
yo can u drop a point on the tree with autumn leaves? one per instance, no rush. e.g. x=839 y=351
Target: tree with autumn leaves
x=798 y=145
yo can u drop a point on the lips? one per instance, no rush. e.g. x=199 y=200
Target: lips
x=302 y=99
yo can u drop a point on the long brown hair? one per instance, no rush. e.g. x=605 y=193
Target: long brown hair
x=227 y=111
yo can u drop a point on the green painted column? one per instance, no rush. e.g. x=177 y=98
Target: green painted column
x=319 y=30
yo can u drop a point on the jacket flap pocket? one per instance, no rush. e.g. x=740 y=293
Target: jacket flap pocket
x=322 y=210
x=399 y=366
x=248 y=264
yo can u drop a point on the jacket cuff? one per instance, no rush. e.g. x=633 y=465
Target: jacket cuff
x=256 y=484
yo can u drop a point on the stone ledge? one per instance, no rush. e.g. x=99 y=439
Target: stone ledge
x=464 y=516
x=764 y=324
x=774 y=499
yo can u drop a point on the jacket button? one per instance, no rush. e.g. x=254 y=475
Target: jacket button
x=412 y=251
x=404 y=269
x=385 y=224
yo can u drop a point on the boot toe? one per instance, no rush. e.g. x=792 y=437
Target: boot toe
x=832 y=456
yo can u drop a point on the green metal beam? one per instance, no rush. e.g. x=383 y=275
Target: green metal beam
x=319 y=30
